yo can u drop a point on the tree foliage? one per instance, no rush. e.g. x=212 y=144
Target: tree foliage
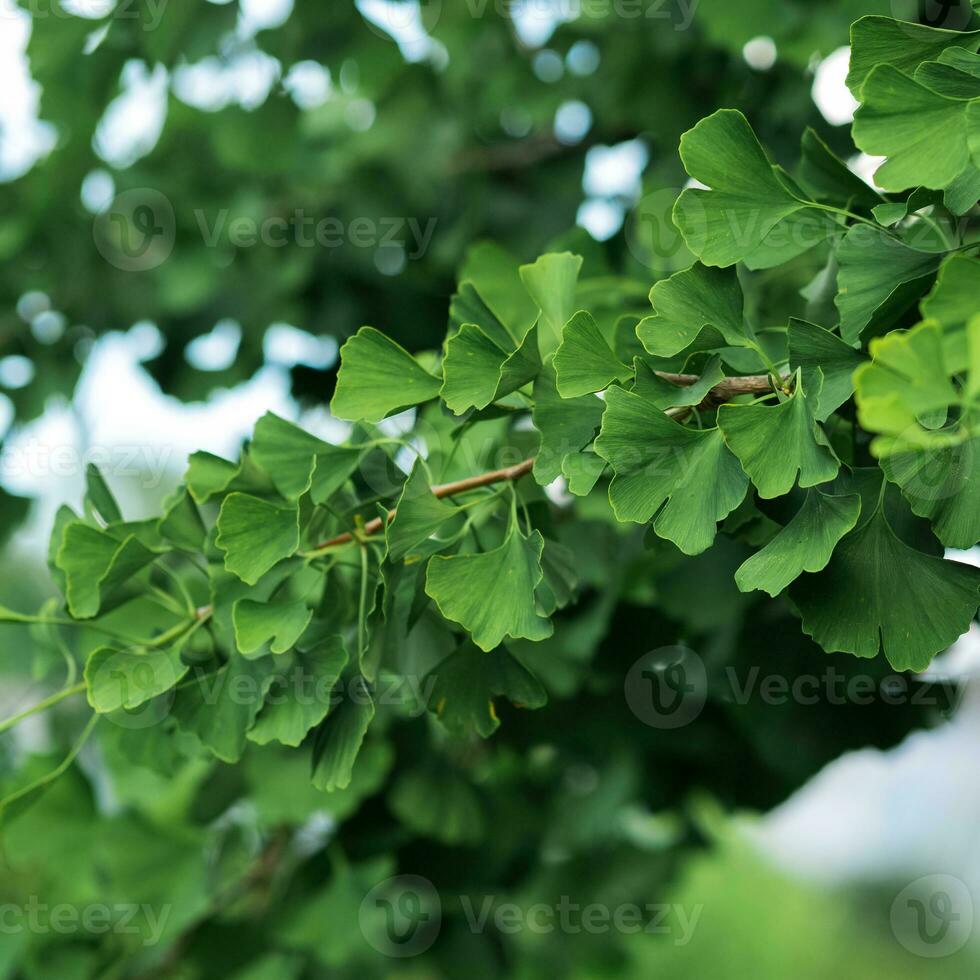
x=767 y=452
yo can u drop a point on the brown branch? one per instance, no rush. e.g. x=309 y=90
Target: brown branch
x=442 y=490
x=753 y=384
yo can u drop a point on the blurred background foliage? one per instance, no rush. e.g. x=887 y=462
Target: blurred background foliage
x=492 y=126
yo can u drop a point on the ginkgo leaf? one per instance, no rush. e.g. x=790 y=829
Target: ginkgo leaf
x=466 y=684
x=955 y=74
x=565 y=424
x=378 y=377
x=665 y=394
x=964 y=192
x=494 y=273
x=209 y=477
x=952 y=303
x=219 y=708
x=255 y=534
x=181 y=522
x=418 y=516
x=813 y=349
x=924 y=135
x=477 y=371
x=280 y=623
x=585 y=363
x=125 y=679
x=551 y=282
x=491 y=593
x=300 y=699
x=942 y=485
x=582 y=471
x=340 y=737
x=877 y=594
x=97 y=562
x=99 y=496
x=905 y=380
x=826 y=177
x=776 y=444
x=803 y=545
x=879 y=40
x=793 y=236
x=297 y=461
x=748 y=197
x=879 y=278
x=685 y=479
x=697 y=306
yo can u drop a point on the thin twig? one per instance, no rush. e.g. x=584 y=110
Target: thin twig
x=442 y=490
x=753 y=384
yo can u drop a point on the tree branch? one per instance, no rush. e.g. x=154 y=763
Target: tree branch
x=753 y=384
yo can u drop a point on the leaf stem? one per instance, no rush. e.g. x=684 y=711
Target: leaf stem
x=56 y=698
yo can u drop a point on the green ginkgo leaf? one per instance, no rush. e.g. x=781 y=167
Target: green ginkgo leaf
x=495 y=275
x=99 y=497
x=466 y=684
x=477 y=371
x=125 y=679
x=778 y=444
x=551 y=282
x=297 y=461
x=924 y=135
x=826 y=177
x=97 y=562
x=952 y=303
x=665 y=394
x=181 y=522
x=904 y=45
x=813 y=349
x=879 y=278
x=255 y=534
x=219 y=708
x=803 y=545
x=565 y=424
x=942 y=484
x=340 y=737
x=418 y=516
x=280 y=623
x=684 y=479
x=300 y=698
x=877 y=594
x=955 y=74
x=467 y=306
x=378 y=377
x=209 y=477
x=582 y=471
x=697 y=307
x=907 y=379
x=748 y=196
x=491 y=594
x=585 y=363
